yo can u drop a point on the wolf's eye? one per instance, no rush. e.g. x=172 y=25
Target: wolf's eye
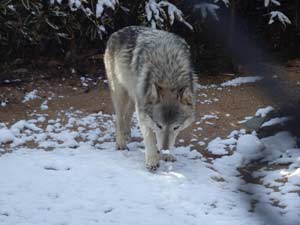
x=159 y=126
x=176 y=128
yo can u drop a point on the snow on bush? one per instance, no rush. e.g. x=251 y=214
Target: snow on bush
x=279 y=16
x=208 y=9
x=157 y=13
x=226 y=2
x=211 y=8
x=62 y=20
x=101 y=4
x=268 y=2
x=94 y=11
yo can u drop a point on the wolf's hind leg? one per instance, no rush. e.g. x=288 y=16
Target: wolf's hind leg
x=123 y=106
x=125 y=122
x=121 y=102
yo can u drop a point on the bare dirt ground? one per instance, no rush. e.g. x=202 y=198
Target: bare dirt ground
x=228 y=105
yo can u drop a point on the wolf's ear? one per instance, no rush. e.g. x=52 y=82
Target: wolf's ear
x=185 y=96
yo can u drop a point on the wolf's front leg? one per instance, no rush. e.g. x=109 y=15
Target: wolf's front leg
x=152 y=153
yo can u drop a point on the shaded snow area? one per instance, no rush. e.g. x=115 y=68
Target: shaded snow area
x=81 y=178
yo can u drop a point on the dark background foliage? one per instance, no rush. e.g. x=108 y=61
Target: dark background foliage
x=33 y=31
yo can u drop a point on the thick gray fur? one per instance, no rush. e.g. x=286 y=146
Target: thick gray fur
x=150 y=70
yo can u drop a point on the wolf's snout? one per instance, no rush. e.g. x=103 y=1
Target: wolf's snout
x=165 y=147
x=165 y=144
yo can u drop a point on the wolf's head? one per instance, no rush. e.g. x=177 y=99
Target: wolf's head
x=169 y=111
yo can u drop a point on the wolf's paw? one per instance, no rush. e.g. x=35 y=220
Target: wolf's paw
x=121 y=142
x=152 y=168
x=168 y=158
x=152 y=162
x=122 y=147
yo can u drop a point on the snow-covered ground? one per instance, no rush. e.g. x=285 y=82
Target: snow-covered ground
x=67 y=171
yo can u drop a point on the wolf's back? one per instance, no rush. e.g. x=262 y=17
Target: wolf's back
x=152 y=56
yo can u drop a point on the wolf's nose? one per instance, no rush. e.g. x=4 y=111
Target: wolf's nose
x=165 y=148
x=165 y=145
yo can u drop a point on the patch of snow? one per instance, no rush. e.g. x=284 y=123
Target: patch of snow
x=83 y=180
x=267 y=2
x=11 y=7
x=226 y=2
x=17 y=127
x=219 y=146
x=282 y=18
x=207 y=9
x=262 y=112
x=241 y=80
x=6 y=136
x=156 y=13
x=101 y=4
x=74 y=4
x=237 y=133
x=44 y=105
x=30 y=96
x=249 y=144
x=229 y=164
x=199 y=86
x=3 y=103
x=247 y=118
x=275 y=121
x=278 y=145
x=250 y=147
x=209 y=116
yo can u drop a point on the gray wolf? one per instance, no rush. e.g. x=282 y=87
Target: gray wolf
x=150 y=71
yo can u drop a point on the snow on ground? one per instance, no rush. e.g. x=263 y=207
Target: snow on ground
x=44 y=105
x=219 y=146
x=241 y=80
x=31 y=96
x=275 y=121
x=276 y=189
x=3 y=103
x=84 y=180
x=230 y=83
x=262 y=112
